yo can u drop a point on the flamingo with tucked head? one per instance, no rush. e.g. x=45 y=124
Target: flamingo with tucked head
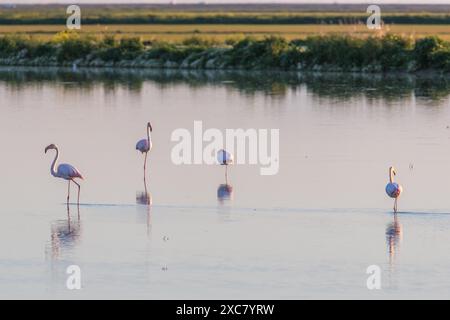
x=393 y=189
x=225 y=158
x=145 y=145
x=64 y=171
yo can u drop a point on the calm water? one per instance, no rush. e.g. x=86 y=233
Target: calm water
x=308 y=232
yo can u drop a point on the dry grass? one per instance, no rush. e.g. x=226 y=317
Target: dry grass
x=220 y=32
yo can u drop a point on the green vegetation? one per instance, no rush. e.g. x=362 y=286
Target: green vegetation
x=318 y=53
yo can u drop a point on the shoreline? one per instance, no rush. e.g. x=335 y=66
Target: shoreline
x=156 y=66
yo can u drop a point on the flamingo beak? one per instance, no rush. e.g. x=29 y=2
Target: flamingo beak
x=49 y=147
x=150 y=126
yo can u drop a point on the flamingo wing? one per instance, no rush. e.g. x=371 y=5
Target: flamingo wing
x=143 y=145
x=224 y=157
x=68 y=172
x=394 y=190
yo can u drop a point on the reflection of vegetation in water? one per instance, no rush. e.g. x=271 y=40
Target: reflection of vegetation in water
x=326 y=85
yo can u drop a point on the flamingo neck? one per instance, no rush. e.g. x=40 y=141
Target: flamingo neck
x=53 y=166
x=391 y=175
x=149 y=137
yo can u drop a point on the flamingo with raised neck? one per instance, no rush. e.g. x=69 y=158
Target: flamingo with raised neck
x=393 y=189
x=145 y=145
x=64 y=171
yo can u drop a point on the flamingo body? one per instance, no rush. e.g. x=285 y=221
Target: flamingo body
x=394 y=190
x=68 y=172
x=144 y=145
x=224 y=157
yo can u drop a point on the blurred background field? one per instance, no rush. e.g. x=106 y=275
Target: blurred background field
x=176 y=23
x=221 y=32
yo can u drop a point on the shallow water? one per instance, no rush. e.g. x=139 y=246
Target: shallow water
x=310 y=231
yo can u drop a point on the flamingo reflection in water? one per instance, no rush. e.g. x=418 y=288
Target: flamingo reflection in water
x=224 y=193
x=65 y=234
x=394 y=236
x=145 y=198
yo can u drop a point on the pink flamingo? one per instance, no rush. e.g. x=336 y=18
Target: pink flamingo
x=64 y=171
x=393 y=189
x=145 y=145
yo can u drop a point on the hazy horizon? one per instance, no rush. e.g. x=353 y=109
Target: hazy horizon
x=231 y=2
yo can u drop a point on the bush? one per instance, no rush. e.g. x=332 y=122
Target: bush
x=395 y=52
x=342 y=51
x=331 y=52
x=11 y=45
x=290 y=58
x=72 y=46
x=199 y=42
x=251 y=53
x=41 y=49
x=391 y=52
x=170 y=52
x=127 y=48
x=132 y=45
x=109 y=41
x=425 y=51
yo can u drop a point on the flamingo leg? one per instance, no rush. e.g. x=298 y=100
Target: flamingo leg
x=68 y=217
x=226 y=174
x=395 y=205
x=149 y=224
x=68 y=193
x=145 y=164
x=145 y=185
x=68 y=212
x=79 y=189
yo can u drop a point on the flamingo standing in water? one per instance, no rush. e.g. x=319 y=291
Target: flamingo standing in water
x=145 y=145
x=393 y=189
x=225 y=158
x=64 y=171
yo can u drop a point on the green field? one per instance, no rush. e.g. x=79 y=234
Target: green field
x=218 y=23
x=220 y=33
x=224 y=14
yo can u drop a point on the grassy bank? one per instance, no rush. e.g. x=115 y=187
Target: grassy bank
x=317 y=53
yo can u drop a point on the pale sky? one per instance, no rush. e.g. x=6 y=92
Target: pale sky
x=231 y=1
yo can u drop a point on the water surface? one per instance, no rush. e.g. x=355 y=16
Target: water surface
x=308 y=232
